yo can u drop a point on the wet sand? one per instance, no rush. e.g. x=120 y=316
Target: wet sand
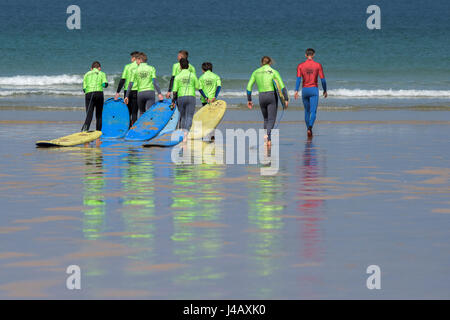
x=372 y=187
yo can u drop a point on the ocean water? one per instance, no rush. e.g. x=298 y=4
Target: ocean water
x=405 y=63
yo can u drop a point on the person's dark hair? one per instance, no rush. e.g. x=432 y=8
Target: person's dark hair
x=95 y=64
x=207 y=66
x=266 y=60
x=310 y=51
x=134 y=54
x=184 y=63
x=184 y=53
x=142 y=56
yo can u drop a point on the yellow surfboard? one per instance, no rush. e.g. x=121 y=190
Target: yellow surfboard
x=277 y=86
x=207 y=119
x=71 y=140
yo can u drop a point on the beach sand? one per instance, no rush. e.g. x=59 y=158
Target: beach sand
x=371 y=188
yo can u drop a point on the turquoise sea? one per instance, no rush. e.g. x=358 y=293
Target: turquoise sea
x=405 y=63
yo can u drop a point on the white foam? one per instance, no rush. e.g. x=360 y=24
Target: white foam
x=362 y=93
x=41 y=80
x=38 y=81
x=390 y=93
x=8 y=93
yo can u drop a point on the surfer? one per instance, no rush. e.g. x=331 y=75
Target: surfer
x=268 y=99
x=145 y=79
x=128 y=71
x=210 y=83
x=184 y=86
x=309 y=71
x=93 y=83
x=176 y=69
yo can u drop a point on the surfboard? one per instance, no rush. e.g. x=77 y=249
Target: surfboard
x=279 y=91
x=171 y=125
x=71 y=140
x=151 y=122
x=207 y=119
x=168 y=139
x=115 y=119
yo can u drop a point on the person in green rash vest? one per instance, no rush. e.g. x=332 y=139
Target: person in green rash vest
x=268 y=99
x=128 y=71
x=184 y=86
x=145 y=79
x=176 y=69
x=93 y=83
x=210 y=83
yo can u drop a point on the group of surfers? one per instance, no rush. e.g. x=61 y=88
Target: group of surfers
x=140 y=83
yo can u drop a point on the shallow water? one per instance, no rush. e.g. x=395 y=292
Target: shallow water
x=364 y=191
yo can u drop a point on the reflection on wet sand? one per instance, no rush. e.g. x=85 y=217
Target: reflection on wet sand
x=138 y=206
x=310 y=207
x=265 y=249
x=310 y=171
x=93 y=199
x=196 y=204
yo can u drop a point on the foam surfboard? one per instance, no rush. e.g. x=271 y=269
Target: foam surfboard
x=151 y=122
x=279 y=91
x=168 y=139
x=71 y=140
x=115 y=119
x=207 y=119
x=171 y=125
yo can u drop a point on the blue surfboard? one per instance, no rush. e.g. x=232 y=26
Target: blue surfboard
x=115 y=119
x=151 y=122
x=171 y=125
x=169 y=139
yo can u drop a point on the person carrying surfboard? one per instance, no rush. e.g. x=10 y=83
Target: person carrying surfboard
x=184 y=86
x=93 y=83
x=145 y=79
x=176 y=69
x=210 y=83
x=128 y=71
x=268 y=99
x=309 y=71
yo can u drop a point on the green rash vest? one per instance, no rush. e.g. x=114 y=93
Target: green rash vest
x=127 y=74
x=176 y=69
x=264 y=79
x=94 y=80
x=143 y=77
x=209 y=82
x=185 y=83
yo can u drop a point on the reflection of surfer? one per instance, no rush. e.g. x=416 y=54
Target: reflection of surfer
x=268 y=100
x=309 y=206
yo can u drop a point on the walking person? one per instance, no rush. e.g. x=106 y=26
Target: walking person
x=268 y=99
x=309 y=71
